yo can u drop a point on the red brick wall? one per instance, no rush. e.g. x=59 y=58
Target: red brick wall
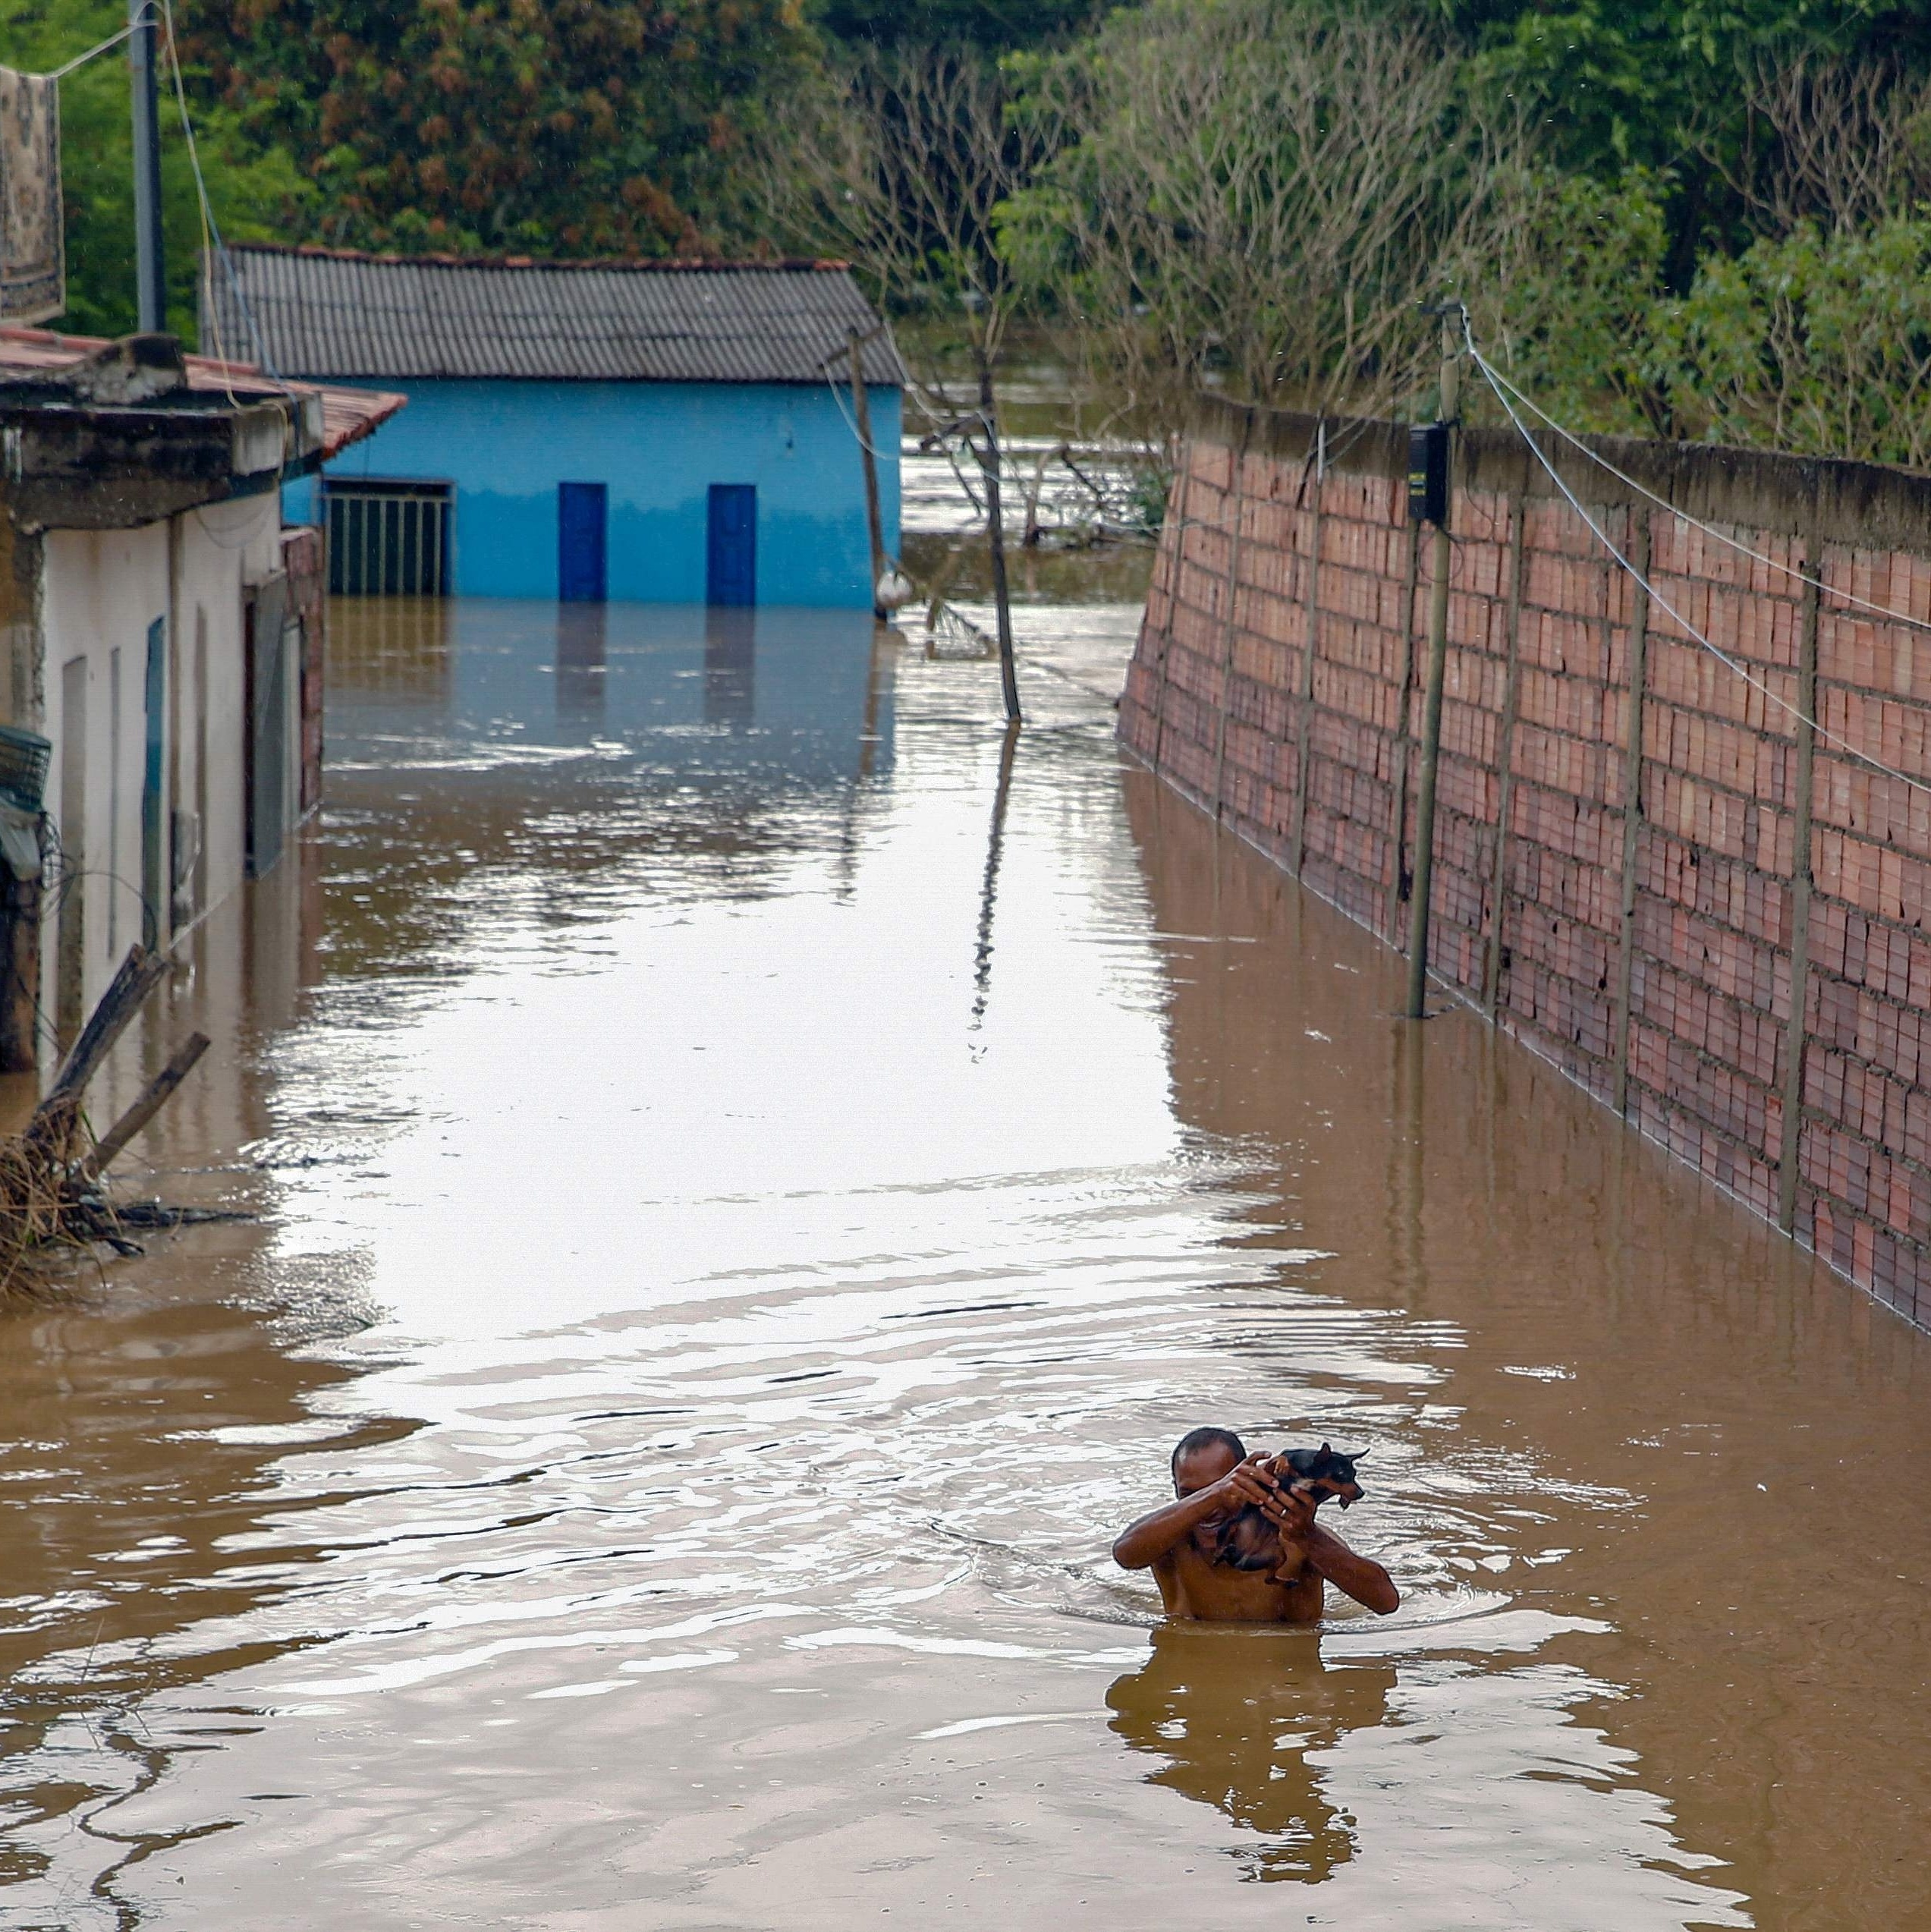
x=1669 y=993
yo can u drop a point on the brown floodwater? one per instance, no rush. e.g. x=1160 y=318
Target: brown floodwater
x=750 y=1181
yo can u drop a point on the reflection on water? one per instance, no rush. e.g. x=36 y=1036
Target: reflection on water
x=731 y=647
x=989 y=892
x=583 y=663
x=396 y=647
x=757 y=1167
x=1239 y=1720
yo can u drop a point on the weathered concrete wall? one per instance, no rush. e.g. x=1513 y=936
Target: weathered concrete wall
x=1631 y=903
x=101 y=592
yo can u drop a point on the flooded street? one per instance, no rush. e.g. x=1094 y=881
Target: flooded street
x=749 y=1193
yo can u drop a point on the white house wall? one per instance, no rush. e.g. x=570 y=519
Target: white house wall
x=101 y=591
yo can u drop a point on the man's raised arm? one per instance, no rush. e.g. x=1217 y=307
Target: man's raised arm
x=1361 y=1577
x=1141 y=1545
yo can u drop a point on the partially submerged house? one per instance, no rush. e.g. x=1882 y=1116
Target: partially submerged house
x=666 y=432
x=160 y=696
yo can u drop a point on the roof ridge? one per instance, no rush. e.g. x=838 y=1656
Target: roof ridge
x=651 y=265
x=314 y=311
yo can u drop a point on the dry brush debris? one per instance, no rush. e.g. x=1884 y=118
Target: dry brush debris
x=52 y=1199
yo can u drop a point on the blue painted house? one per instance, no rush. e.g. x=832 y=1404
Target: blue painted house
x=660 y=432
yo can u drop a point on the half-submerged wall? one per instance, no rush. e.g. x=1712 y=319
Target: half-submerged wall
x=1636 y=904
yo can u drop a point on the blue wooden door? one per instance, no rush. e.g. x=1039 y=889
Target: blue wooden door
x=731 y=563
x=151 y=879
x=583 y=510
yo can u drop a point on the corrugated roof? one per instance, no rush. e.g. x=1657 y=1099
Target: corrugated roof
x=315 y=311
x=348 y=415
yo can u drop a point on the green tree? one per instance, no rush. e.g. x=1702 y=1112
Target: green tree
x=1259 y=193
x=1574 y=318
x=1670 y=85
x=996 y=24
x=566 y=128
x=1613 y=82
x=254 y=188
x=1817 y=344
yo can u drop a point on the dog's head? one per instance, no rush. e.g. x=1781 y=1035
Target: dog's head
x=1324 y=1470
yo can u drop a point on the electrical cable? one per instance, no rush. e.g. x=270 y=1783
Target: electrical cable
x=878 y=455
x=100 y=47
x=200 y=515
x=1689 y=629
x=212 y=245
x=1708 y=529
x=59 y=878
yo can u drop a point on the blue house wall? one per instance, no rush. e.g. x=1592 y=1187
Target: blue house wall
x=657 y=447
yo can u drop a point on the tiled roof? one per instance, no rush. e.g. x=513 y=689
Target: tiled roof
x=317 y=311
x=348 y=415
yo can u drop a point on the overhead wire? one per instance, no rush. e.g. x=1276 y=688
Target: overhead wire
x=207 y=229
x=214 y=248
x=161 y=13
x=1569 y=436
x=102 y=46
x=870 y=449
x=1656 y=597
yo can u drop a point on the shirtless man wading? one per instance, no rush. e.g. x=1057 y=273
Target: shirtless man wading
x=1213 y=1478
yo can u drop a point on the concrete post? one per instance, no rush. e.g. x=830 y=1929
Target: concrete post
x=1438 y=672
x=1237 y=482
x=1309 y=650
x=1397 y=875
x=1499 y=853
x=150 y=276
x=1791 y=1148
x=1639 y=677
x=1184 y=505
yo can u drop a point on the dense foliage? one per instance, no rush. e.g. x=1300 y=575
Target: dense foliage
x=998 y=25
x=1261 y=194
x=537 y=126
x=1691 y=217
x=1681 y=217
x=256 y=189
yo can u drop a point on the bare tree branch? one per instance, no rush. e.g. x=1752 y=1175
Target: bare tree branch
x=1258 y=195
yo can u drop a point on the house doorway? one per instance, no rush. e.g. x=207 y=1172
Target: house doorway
x=583 y=519
x=730 y=561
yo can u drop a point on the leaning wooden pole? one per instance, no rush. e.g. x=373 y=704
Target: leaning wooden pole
x=1438 y=666
x=861 y=411
x=51 y=1126
x=50 y=1192
x=154 y=1097
x=988 y=459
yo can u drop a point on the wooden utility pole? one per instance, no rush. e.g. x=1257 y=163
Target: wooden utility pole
x=989 y=460
x=861 y=409
x=150 y=277
x=1438 y=665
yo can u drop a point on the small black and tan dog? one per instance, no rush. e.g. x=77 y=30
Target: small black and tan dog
x=1249 y=1541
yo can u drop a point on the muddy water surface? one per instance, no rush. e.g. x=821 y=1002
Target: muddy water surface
x=748 y=1198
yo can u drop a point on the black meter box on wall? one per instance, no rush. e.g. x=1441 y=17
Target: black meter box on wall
x=1428 y=474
